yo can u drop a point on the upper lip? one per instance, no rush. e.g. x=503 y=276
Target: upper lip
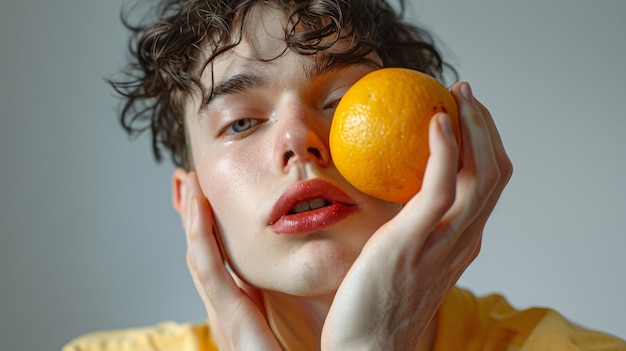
x=304 y=191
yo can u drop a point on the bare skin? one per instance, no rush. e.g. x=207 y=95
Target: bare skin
x=373 y=280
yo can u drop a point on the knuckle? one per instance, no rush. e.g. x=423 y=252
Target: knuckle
x=195 y=268
x=491 y=177
x=489 y=180
x=192 y=262
x=477 y=248
x=447 y=199
x=443 y=200
x=194 y=234
x=470 y=254
x=506 y=168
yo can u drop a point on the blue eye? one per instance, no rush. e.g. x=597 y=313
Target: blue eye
x=243 y=125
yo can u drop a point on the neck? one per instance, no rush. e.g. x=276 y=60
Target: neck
x=297 y=321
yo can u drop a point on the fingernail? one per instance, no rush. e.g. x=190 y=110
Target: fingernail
x=466 y=91
x=445 y=125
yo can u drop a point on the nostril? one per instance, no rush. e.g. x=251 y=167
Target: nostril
x=315 y=152
x=288 y=154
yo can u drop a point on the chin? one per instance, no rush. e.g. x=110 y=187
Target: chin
x=318 y=271
x=315 y=269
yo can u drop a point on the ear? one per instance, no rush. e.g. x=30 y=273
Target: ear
x=179 y=189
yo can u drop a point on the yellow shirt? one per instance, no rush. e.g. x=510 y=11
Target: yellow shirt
x=490 y=323
x=466 y=323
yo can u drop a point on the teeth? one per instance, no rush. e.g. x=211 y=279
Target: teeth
x=301 y=207
x=312 y=204
x=317 y=203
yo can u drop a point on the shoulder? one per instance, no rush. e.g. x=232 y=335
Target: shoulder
x=468 y=322
x=554 y=332
x=164 y=336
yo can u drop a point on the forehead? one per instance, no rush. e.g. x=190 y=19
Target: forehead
x=261 y=56
x=262 y=43
x=262 y=40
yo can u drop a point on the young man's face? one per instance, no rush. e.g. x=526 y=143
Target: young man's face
x=260 y=149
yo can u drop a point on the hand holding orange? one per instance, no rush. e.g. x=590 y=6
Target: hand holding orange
x=379 y=133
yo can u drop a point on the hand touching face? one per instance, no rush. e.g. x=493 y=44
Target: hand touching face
x=286 y=219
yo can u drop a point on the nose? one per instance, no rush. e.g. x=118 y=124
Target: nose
x=302 y=138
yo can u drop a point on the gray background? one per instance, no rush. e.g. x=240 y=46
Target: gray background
x=89 y=240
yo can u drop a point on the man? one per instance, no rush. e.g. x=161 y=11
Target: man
x=283 y=251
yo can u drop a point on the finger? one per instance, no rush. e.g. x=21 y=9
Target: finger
x=478 y=150
x=503 y=162
x=491 y=169
x=480 y=173
x=227 y=306
x=486 y=170
x=505 y=170
x=424 y=211
x=474 y=184
x=213 y=281
x=195 y=191
x=438 y=187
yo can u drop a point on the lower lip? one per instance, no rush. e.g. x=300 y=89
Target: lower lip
x=312 y=221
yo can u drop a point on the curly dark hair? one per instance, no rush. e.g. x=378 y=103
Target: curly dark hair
x=166 y=66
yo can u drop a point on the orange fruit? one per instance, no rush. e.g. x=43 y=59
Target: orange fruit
x=379 y=133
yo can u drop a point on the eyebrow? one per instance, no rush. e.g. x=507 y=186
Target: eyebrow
x=258 y=79
x=329 y=63
x=240 y=83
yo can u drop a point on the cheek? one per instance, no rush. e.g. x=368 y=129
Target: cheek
x=228 y=176
x=230 y=181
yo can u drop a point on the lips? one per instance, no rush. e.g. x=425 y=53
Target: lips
x=310 y=206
